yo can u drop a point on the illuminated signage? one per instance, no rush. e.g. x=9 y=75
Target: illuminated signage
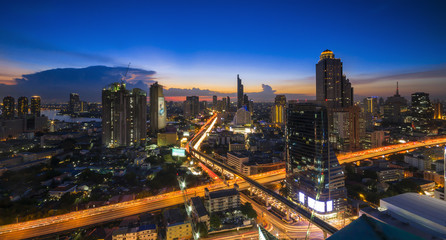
x=301 y=198
x=329 y=206
x=177 y=152
x=316 y=205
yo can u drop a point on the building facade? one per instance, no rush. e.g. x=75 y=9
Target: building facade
x=8 y=110
x=314 y=177
x=22 y=107
x=240 y=98
x=35 y=106
x=332 y=87
x=158 y=111
x=124 y=116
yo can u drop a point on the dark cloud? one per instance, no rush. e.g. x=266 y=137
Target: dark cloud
x=55 y=85
x=435 y=73
x=13 y=40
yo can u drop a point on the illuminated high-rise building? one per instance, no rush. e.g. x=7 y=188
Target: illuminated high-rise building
x=124 y=116
x=421 y=111
x=314 y=176
x=332 y=86
x=22 y=107
x=240 y=96
x=157 y=108
x=8 y=107
x=74 y=106
x=438 y=110
x=278 y=111
x=35 y=106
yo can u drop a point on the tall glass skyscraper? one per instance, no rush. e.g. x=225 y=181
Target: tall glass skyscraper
x=314 y=177
x=240 y=96
x=8 y=107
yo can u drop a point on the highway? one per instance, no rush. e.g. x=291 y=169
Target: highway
x=376 y=152
x=92 y=216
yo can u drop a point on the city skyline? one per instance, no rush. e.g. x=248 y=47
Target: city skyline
x=182 y=51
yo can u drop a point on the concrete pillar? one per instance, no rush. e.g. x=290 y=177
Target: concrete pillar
x=288 y=214
x=267 y=201
x=325 y=235
x=251 y=189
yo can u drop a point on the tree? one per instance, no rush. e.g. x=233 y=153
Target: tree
x=215 y=221
x=248 y=211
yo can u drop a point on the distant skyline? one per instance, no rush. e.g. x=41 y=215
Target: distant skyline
x=203 y=45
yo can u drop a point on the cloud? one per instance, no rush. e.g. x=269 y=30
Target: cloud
x=421 y=75
x=55 y=85
x=12 y=40
x=266 y=95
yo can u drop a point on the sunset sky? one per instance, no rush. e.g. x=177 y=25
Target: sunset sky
x=205 y=44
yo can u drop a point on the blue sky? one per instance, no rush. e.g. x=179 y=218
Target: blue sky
x=204 y=44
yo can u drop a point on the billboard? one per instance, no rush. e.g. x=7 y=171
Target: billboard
x=161 y=113
x=177 y=152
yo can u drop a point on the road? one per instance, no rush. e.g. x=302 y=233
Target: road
x=88 y=217
x=376 y=152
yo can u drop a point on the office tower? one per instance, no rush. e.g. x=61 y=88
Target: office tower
x=421 y=111
x=314 y=177
x=157 y=108
x=8 y=107
x=203 y=106
x=371 y=105
x=191 y=106
x=332 y=87
x=278 y=111
x=22 y=107
x=124 y=116
x=228 y=105
x=394 y=108
x=35 y=106
x=240 y=96
x=74 y=106
x=438 y=110
x=214 y=102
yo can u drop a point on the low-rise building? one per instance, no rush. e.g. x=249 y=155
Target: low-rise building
x=177 y=227
x=425 y=185
x=222 y=200
x=199 y=212
x=62 y=189
x=236 y=159
x=389 y=174
x=419 y=161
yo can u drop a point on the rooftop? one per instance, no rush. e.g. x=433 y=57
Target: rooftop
x=223 y=193
x=422 y=206
x=199 y=207
x=370 y=229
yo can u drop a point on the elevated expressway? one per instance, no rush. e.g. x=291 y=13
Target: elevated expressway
x=386 y=150
x=291 y=209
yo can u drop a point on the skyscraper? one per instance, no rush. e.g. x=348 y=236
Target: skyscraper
x=214 y=102
x=35 y=106
x=158 y=111
x=8 y=107
x=438 y=110
x=421 y=111
x=278 y=111
x=394 y=107
x=332 y=87
x=314 y=177
x=22 y=107
x=74 y=106
x=124 y=116
x=240 y=96
x=228 y=105
x=191 y=106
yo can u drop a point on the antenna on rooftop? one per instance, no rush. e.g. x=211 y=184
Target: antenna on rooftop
x=125 y=75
